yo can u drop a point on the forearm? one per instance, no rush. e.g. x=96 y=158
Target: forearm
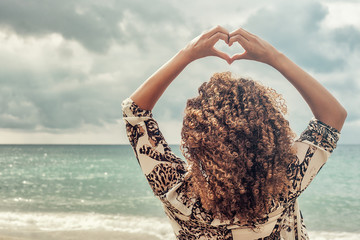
x=322 y=103
x=151 y=90
x=202 y=46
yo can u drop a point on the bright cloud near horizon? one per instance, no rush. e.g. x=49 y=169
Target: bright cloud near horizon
x=67 y=65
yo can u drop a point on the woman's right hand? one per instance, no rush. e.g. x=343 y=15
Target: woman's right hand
x=203 y=45
x=255 y=48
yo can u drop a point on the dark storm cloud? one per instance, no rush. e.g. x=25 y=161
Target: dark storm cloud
x=92 y=23
x=32 y=98
x=42 y=17
x=71 y=109
x=16 y=112
x=294 y=27
x=36 y=100
x=347 y=37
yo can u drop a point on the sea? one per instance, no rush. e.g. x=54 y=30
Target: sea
x=64 y=192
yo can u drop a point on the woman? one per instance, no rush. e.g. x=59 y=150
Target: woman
x=244 y=172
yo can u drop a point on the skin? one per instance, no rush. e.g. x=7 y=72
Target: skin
x=322 y=103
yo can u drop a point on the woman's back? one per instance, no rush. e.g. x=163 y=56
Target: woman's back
x=238 y=145
x=167 y=176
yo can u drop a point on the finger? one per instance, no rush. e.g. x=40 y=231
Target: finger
x=249 y=33
x=240 y=39
x=238 y=35
x=234 y=33
x=249 y=36
x=243 y=55
x=221 y=54
x=243 y=33
x=214 y=30
x=236 y=38
x=219 y=35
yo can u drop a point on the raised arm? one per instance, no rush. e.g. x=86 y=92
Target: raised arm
x=322 y=103
x=151 y=90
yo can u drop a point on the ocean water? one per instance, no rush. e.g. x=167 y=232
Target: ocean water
x=99 y=192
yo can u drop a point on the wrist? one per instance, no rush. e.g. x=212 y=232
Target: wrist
x=186 y=56
x=278 y=59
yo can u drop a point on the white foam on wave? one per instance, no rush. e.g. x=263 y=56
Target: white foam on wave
x=334 y=236
x=155 y=228
x=127 y=227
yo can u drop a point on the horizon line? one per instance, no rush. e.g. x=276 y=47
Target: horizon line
x=108 y=144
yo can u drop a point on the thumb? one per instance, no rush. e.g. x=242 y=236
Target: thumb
x=239 y=56
x=222 y=55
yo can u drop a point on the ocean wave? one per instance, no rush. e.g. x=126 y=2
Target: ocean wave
x=153 y=228
x=124 y=227
x=333 y=235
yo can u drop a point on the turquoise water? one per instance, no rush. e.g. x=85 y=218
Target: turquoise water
x=101 y=179
x=56 y=187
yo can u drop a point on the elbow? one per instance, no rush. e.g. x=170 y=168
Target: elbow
x=341 y=117
x=334 y=117
x=343 y=114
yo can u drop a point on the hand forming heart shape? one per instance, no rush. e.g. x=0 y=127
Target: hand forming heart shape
x=239 y=36
x=229 y=50
x=254 y=47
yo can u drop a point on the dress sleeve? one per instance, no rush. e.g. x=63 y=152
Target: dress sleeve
x=161 y=167
x=313 y=148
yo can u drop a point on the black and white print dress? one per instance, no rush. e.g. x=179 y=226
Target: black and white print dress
x=166 y=172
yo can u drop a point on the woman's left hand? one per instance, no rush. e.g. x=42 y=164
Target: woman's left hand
x=203 y=45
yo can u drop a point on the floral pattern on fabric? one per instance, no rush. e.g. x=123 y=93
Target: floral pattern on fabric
x=166 y=173
x=296 y=172
x=163 y=177
x=135 y=110
x=321 y=134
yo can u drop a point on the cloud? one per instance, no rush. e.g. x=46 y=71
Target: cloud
x=347 y=38
x=50 y=89
x=68 y=18
x=342 y=13
x=56 y=84
x=67 y=65
x=94 y=24
x=295 y=28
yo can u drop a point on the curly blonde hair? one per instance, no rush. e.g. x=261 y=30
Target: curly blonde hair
x=238 y=146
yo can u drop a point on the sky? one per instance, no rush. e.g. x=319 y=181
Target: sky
x=66 y=66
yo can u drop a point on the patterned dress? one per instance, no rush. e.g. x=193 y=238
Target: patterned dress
x=166 y=173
